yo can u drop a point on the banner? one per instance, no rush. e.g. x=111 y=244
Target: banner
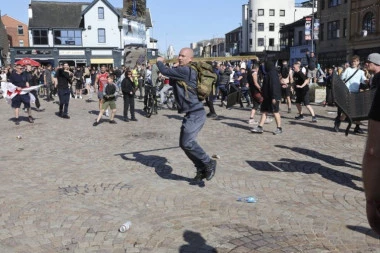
x=308 y=28
x=316 y=29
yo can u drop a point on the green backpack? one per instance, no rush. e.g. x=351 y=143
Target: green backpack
x=206 y=78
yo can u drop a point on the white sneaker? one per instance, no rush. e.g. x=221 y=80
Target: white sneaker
x=253 y=122
x=107 y=113
x=268 y=120
x=80 y=97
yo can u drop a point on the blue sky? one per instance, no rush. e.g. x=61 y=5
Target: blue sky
x=174 y=21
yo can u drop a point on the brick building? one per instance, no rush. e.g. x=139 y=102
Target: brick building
x=17 y=31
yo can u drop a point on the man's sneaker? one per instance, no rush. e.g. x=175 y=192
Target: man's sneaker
x=278 y=131
x=133 y=119
x=107 y=113
x=336 y=125
x=299 y=117
x=210 y=169
x=31 y=119
x=257 y=129
x=212 y=115
x=314 y=119
x=65 y=116
x=112 y=122
x=17 y=121
x=201 y=174
x=95 y=123
x=268 y=120
x=253 y=122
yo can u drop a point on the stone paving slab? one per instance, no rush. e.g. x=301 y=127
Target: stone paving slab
x=67 y=186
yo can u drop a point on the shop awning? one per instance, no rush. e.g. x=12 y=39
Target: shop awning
x=101 y=61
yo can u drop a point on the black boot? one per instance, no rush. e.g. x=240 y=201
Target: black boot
x=210 y=169
x=201 y=174
x=337 y=124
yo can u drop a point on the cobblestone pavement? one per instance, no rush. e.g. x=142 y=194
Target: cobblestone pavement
x=67 y=186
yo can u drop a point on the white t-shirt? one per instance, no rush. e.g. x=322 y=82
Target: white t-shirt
x=354 y=83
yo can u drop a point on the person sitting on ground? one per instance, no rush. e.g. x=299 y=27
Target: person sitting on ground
x=109 y=100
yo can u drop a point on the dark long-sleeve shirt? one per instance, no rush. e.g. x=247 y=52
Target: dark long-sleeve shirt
x=63 y=79
x=128 y=86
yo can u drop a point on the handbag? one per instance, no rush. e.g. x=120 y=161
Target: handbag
x=258 y=97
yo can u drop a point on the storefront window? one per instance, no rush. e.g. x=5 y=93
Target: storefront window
x=68 y=37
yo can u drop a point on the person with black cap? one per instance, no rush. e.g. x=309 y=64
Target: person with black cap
x=371 y=159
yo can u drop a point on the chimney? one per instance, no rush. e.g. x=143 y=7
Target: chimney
x=30 y=12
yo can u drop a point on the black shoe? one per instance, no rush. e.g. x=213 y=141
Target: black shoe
x=212 y=115
x=66 y=116
x=201 y=174
x=95 y=123
x=112 y=122
x=126 y=119
x=299 y=117
x=210 y=169
x=17 y=121
x=31 y=119
x=133 y=119
x=40 y=110
x=337 y=125
x=358 y=130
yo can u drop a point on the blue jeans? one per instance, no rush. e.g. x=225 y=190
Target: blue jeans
x=191 y=125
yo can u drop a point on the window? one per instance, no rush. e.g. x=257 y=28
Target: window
x=323 y=4
x=300 y=37
x=271 y=27
x=100 y=13
x=260 y=42
x=68 y=37
x=282 y=13
x=333 y=3
x=21 y=43
x=260 y=12
x=369 y=23
x=271 y=12
x=260 y=27
x=321 y=31
x=20 y=30
x=101 y=35
x=250 y=13
x=250 y=28
x=250 y=42
x=344 y=28
x=333 y=30
x=271 y=42
x=40 y=36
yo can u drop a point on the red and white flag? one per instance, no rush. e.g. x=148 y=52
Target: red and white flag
x=10 y=91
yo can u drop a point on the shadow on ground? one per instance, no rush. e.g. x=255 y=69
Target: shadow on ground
x=195 y=243
x=307 y=167
x=160 y=166
x=363 y=230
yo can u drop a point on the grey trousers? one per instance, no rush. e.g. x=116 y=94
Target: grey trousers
x=191 y=125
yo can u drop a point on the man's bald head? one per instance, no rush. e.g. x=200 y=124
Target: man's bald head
x=185 y=56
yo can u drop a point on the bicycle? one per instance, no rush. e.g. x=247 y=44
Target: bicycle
x=151 y=103
x=170 y=99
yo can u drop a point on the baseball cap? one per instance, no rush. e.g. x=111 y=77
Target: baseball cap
x=374 y=58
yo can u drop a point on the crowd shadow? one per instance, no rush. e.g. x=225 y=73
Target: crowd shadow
x=235 y=125
x=177 y=117
x=313 y=125
x=307 y=167
x=326 y=158
x=195 y=243
x=160 y=166
x=363 y=230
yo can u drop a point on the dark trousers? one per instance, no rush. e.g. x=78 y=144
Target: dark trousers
x=37 y=102
x=49 y=90
x=129 y=102
x=223 y=88
x=192 y=123
x=64 y=98
x=210 y=104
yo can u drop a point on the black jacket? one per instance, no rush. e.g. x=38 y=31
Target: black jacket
x=127 y=86
x=271 y=85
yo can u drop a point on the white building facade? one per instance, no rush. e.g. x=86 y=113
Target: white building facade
x=262 y=20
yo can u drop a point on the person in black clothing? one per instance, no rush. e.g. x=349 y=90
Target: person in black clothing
x=78 y=76
x=302 y=92
x=244 y=88
x=33 y=79
x=209 y=101
x=195 y=115
x=19 y=79
x=64 y=78
x=311 y=66
x=128 y=89
x=224 y=80
x=271 y=91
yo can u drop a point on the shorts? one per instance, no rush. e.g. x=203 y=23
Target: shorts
x=267 y=106
x=100 y=94
x=109 y=103
x=18 y=99
x=311 y=73
x=286 y=92
x=303 y=97
x=88 y=81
